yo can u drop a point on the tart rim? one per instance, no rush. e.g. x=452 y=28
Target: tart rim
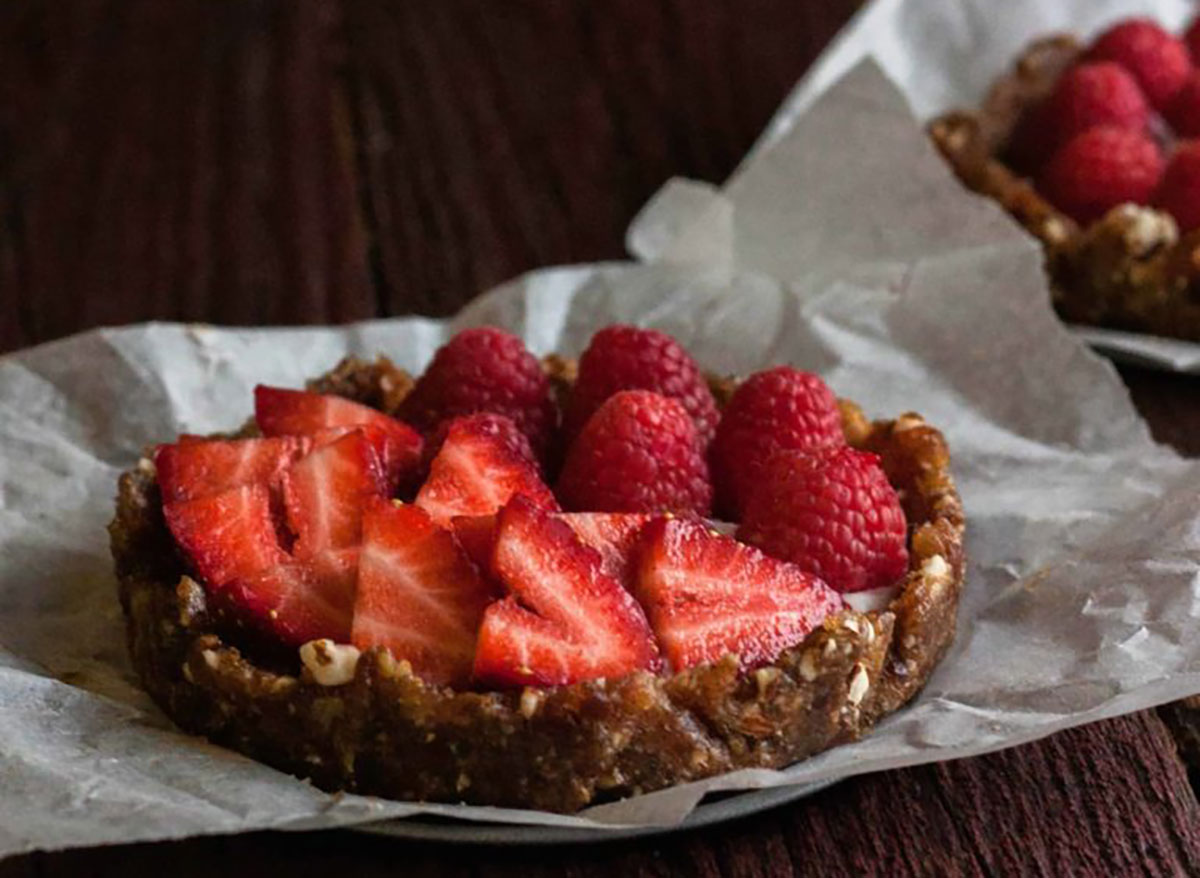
x=1131 y=269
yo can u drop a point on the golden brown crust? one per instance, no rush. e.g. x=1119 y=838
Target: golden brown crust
x=385 y=732
x=1129 y=269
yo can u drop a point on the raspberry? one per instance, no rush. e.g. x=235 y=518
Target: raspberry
x=781 y=408
x=627 y=358
x=1158 y=61
x=1179 y=194
x=484 y=370
x=1184 y=111
x=638 y=453
x=1102 y=93
x=1099 y=169
x=831 y=513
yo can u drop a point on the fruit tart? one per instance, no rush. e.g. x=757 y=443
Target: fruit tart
x=540 y=584
x=1091 y=147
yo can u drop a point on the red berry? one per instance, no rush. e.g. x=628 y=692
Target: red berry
x=484 y=370
x=1184 y=111
x=708 y=596
x=615 y=535
x=324 y=493
x=1101 y=93
x=1158 y=60
x=831 y=513
x=771 y=410
x=227 y=536
x=638 y=453
x=323 y=417
x=498 y=427
x=477 y=470
x=1191 y=38
x=298 y=601
x=574 y=622
x=197 y=468
x=418 y=594
x=1099 y=169
x=627 y=358
x=1179 y=194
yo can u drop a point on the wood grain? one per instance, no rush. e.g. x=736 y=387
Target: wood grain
x=1105 y=800
x=309 y=161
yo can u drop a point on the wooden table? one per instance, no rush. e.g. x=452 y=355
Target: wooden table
x=327 y=160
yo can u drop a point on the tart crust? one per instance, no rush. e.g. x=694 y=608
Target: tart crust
x=1129 y=269
x=386 y=732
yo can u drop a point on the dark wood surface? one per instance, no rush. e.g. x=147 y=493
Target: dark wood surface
x=327 y=160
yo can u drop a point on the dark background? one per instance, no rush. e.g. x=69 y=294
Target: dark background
x=319 y=161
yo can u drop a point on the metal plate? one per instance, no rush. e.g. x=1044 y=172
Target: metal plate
x=1147 y=351
x=727 y=807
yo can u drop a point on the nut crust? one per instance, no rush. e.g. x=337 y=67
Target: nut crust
x=1129 y=269
x=387 y=733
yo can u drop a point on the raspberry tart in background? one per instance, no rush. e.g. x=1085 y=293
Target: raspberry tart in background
x=540 y=584
x=1092 y=148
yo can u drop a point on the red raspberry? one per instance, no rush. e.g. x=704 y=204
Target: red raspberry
x=1179 y=194
x=484 y=370
x=1103 y=93
x=781 y=408
x=1184 y=112
x=831 y=513
x=1099 y=169
x=638 y=453
x=1158 y=60
x=627 y=358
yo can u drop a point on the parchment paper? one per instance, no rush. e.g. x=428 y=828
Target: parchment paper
x=944 y=54
x=904 y=292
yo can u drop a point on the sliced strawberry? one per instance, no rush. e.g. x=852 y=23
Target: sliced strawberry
x=302 y=600
x=324 y=493
x=581 y=624
x=520 y=648
x=475 y=473
x=418 y=594
x=615 y=535
x=196 y=468
x=283 y=412
x=477 y=536
x=708 y=595
x=227 y=536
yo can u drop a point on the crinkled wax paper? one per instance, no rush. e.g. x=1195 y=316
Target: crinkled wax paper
x=848 y=249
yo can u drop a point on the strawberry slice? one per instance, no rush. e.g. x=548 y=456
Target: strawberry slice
x=615 y=535
x=197 y=468
x=477 y=536
x=300 y=601
x=475 y=473
x=227 y=536
x=283 y=412
x=418 y=594
x=580 y=623
x=324 y=493
x=708 y=595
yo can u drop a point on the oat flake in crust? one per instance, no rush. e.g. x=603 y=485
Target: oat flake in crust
x=1129 y=269
x=385 y=732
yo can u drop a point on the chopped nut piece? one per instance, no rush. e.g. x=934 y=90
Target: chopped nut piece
x=331 y=664
x=860 y=682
